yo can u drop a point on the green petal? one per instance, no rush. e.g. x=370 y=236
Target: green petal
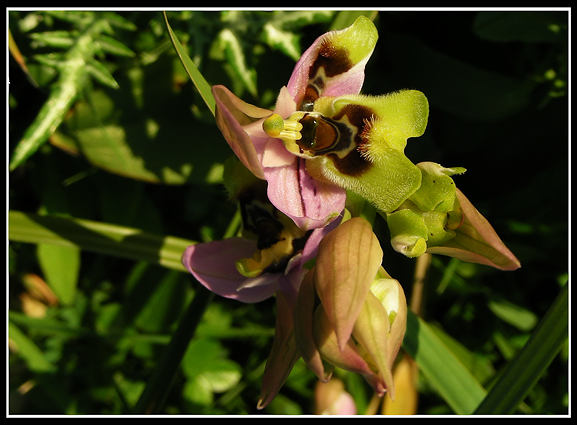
x=386 y=184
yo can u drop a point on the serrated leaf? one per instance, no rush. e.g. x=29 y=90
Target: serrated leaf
x=70 y=82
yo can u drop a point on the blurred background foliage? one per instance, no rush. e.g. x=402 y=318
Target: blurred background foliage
x=130 y=142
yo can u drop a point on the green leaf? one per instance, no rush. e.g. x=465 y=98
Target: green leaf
x=481 y=368
x=206 y=363
x=60 y=266
x=157 y=389
x=57 y=39
x=523 y=372
x=285 y=41
x=28 y=350
x=101 y=74
x=228 y=42
x=103 y=238
x=442 y=368
x=156 y=145
x=197 y=78
x=517 y=316
x=112 y=46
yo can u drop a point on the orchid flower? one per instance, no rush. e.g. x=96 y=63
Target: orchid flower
x=323 y=138
x=267 y=258
x=439 y=219
x=360 y=321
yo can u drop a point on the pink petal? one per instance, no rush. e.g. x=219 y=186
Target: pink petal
x=309 y=203
x=213 y=265
x=345 y=356
x=276 y=155
x=349 y=82
x=285 y=104
x=347 y=262
x=232 y=115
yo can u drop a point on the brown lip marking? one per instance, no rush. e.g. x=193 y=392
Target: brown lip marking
x=354 y=164
x=333 y=61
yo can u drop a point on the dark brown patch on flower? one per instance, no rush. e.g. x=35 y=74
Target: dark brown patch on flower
x=331 y=61
x=308 y=102
x=354 y=163
x=335 y=60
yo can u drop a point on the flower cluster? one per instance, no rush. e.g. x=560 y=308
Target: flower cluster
x=336 y=305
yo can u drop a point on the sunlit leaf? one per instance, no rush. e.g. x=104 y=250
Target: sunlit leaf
x=28 y=350
x=98 y=237
x=441 y=367
x=61 y=266
x=517 y=316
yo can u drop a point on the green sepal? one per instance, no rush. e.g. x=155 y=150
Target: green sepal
x=437 y=191
x=409 y=233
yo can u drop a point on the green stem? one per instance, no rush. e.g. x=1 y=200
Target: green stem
x=154 y=395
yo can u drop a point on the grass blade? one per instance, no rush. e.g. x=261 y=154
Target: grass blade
x=524 y=371
x=197 y=78
x=103 y=238
x=441 y=367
